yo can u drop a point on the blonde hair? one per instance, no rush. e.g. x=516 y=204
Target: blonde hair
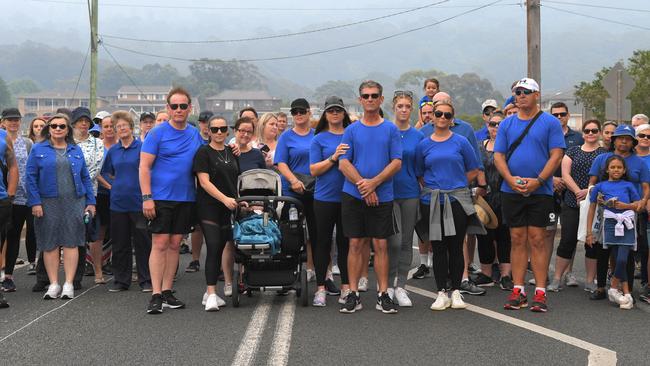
x=266 y=117
x=444 y=102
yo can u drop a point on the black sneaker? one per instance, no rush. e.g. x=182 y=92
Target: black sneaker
x=89 y=270
x=8 y=285
x=385 y=304
x=185 y=249
x=40 y=286
x=170 y=301
x=422 y=271
x=468 y=287
x=331 y=288
x=645 y=295
x=473 y=269
x=483 y=281
x=116 y=287
x=194 y=266
x=32 y=269
x=506 y=283
x=3 y=302
x=352 y=304
x=598 y=294
x=155 y=304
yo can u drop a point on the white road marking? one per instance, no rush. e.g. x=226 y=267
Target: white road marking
x=250 y=343
x=282 y=337
x=598 y=356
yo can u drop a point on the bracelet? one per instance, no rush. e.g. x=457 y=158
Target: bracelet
x=541 y=181
x=147 y=197
x=331 y=159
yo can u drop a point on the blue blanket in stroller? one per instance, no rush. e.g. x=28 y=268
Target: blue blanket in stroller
x=251 y=230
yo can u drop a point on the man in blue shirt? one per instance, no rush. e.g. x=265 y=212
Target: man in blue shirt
x=373 y=157
x=168 y=194
x=8 y=181
x=527 y=200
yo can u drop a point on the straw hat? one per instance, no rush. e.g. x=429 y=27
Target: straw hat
x=485 y=213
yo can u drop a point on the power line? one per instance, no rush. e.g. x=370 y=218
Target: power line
x=308 y=53
x=281 y=35
x=597 y=6
x=124 y=71
x=632 y=25
x=76 y=87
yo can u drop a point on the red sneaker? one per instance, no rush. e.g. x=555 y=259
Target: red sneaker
x=539 y=302
x=516 y=300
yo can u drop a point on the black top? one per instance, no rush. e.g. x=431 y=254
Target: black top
x=252 y=159
x=580 y=164
x=223 y=168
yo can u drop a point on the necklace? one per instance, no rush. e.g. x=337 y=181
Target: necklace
x=62 y=153
x=222 y=158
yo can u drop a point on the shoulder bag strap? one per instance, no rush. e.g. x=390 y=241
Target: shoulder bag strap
x=518 y=141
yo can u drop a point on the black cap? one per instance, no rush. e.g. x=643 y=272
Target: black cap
x=79 y=113
x=300 y=103
x=333 y=101
x=11 y=113
x=147 y=115
x=205 y=116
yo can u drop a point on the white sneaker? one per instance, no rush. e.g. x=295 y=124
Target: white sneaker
x=53 y=291
x=457 y=300
x=403 y=298
x=571 y=280
x=320 y=298
x=613 y=295
x=68 y=291
x=220 y=301
x=363 y=284
x=343 y=296
x=311 y=275
x=442 y=302
x=227 y=289
x=211 y=303
x=626 y=302
x=391 y=293
x=336 y=271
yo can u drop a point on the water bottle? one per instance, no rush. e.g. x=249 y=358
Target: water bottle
x=293 y=213
x=87 y=217
x=520 y=181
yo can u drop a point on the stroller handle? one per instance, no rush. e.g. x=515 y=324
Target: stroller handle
x=268 y=199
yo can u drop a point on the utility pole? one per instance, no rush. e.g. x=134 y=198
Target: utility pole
x=533 y=34
x=94 y=16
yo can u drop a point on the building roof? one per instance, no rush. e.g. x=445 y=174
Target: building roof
x=242 y=95
x=58 y=95
x=159 y=89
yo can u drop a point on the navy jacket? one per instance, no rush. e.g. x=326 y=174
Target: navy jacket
x=41 y=173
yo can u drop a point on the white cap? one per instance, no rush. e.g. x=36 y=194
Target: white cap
x=489 y=103
x=101 y=115
x=527 y=83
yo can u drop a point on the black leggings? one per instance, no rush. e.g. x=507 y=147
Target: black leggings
x=329 y=214
x=216 y=237
x=602 y=264
x=448 y=260
x=20 y=215
x=570 y=218
x=486 y=247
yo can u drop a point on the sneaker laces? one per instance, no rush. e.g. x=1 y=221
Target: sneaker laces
x=514 y=295
x=540 y=296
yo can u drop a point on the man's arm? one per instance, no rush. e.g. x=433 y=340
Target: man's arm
x=349 y=171
x=12 y=167
x=367 y=186
x=502 y=167
x=547 y=173
x=146 y=162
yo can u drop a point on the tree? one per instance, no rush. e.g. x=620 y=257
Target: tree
x=23 y=86
x=342 y=89
x=592 y=94
x=5 y=95
x=210 y=77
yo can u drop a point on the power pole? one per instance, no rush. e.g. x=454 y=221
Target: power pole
x=533 y=34
x=94 y=16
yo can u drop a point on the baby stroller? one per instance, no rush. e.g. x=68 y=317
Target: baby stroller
x=271 y=251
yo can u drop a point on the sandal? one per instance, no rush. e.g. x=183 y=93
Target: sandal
x=100 y=281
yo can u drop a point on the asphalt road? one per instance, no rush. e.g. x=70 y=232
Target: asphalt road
x=99 y=327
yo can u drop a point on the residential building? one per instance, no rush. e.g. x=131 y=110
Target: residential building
x=232 y=101
x=146 y=98
x=42 y=103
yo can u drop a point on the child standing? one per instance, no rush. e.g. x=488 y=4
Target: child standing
x=620 y=199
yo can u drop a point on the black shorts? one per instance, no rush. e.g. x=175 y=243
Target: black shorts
x=103 y=208
x=534 y=210
x=363 y=221
x=173 y=217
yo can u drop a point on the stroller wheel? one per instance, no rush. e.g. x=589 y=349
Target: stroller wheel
x=304 y=290
x=235 y=293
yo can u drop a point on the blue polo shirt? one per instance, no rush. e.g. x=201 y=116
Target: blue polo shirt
x=462 y=128
x=405 y=182
x=637 y=170
x=293 y=150
x=372 y=148
x=573 y=138
x=329 y=184
x=124 y=165
x=529 y=159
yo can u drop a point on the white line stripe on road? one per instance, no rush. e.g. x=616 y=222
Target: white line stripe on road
x=598 y=356
x=248 y=347
x=282 y=337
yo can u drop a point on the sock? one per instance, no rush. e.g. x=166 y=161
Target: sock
x=543 y=289
x=464 y=279
x=430 y=259
x=521 y=288
x=424 y=259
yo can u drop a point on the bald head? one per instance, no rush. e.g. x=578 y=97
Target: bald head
x=441 y=96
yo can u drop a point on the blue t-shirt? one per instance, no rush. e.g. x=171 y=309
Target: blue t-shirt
x=293 y=150
x=529 y=159
x=252 y=159
x=482 y=134
x=443 y=164
x=124 y=165
x=372 y=148
x=405 y=182
x=623 y=190
x=171 y=173
x=329 y=184
x=646 y=160
x=462 y=128
x=636 y=169
x=3 y=152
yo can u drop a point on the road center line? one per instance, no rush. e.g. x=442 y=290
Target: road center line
x=282 y=338
x=598 y=356
x=250 y=342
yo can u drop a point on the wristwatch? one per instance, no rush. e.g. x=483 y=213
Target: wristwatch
x=331 y=159
x=147 y=197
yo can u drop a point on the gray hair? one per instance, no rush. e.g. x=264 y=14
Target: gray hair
x=371 y=84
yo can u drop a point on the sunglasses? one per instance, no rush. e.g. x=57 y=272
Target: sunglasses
x=335 y=110
x=298 y=111
x=403 y=93
x=561 y=114
x=370 y=96
x=523 y=91
x=182 y=106
x=593 y=131
x=493 y=124
x=54 y=126
x=642 y=136
x=222 y=129
x=448 y=115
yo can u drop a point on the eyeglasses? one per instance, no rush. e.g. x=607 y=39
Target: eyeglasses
x=298 y=111
x=222 y=129
x=493 y=124
x=370 y=96
x=54 y=126
x=642 y=136
x=182 y=106
x=245 y=132
x=448 y=115
x=523 y=91
x=403 y=93
x=593 y=131
x=561 y=114
x=335 y=110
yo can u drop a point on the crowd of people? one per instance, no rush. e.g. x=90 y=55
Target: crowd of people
x=88 y=188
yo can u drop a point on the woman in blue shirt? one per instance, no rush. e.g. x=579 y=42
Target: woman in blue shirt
x=325 y=150
x=59 y=191
x=406 y=190
x=445 y=164
x=121 y=166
